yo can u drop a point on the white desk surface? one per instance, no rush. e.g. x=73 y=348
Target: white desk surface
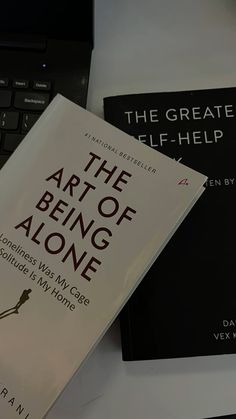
x=144 y=46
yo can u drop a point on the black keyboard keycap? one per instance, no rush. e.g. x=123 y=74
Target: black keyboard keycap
x=3 y=82
x=9 y=120
x=20 y=84
x=31 y=101
x=12 y=141
x=3 y=159
x=29 y=120
x=42 y=85
x=5 y=98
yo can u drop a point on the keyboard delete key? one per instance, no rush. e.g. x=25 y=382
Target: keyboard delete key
x=31 y=101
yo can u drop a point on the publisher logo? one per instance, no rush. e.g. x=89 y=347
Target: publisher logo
x=183 y=182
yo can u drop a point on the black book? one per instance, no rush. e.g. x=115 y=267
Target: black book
x=224 y=417
x=186 y=304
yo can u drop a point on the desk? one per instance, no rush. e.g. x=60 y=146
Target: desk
x=144 y=46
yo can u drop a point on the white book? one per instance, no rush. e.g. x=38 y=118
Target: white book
x=85 y=210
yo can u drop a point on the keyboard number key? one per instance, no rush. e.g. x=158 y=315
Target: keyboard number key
x=29 y=120
x=9 y=120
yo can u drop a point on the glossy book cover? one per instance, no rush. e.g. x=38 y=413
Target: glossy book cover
x=85 y=210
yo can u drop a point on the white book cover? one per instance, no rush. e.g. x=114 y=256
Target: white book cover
x=85 y=210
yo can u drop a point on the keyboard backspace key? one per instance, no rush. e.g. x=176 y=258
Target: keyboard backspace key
x=31 y=101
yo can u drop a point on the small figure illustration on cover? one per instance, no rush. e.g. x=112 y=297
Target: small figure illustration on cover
x=15 y=309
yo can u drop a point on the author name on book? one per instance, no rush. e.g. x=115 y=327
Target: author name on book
x=13 y=403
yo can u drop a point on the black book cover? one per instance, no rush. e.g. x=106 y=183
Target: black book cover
x=224 y=417
x=186 y=304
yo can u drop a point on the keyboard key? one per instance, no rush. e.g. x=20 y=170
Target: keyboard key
x=20 y=84
x=12 y=141
x=42 y=85
x=29 y=120
x=31 y=101
x=3 y=159
x=9 y=120
x=3 y=82
x=5 y=98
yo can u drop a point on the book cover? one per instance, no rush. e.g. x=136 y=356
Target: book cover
x=85 y=210
x=183 y=307
x=224 y=417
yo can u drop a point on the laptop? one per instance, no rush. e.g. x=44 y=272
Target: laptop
x=45 y=49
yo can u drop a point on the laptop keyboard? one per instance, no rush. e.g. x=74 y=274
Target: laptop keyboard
x=21 y=103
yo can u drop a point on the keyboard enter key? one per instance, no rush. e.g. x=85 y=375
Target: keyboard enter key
x=31 y=101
